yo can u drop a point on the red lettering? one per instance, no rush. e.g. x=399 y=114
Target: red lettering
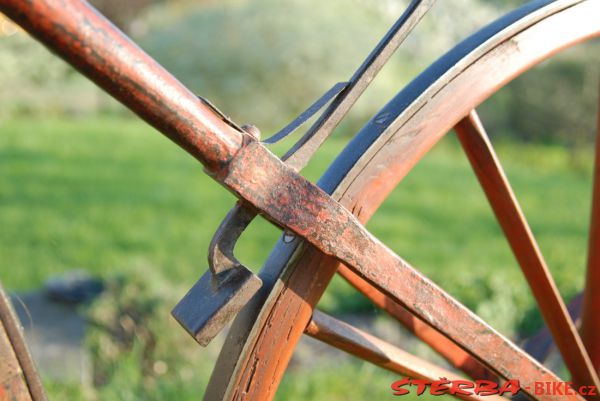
x=556 y=388
x=459 y=385
x=539 y=388
x=569 y=389
x=511 y=386
x=421 y=385
x=398 y=384
x=439 y=387
x=486 y=387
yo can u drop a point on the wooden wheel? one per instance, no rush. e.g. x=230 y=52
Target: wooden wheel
x=263 y=337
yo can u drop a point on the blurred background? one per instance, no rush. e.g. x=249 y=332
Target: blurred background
x=92 y=197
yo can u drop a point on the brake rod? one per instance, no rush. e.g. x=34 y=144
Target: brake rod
x=228 y=286
x=345 y=94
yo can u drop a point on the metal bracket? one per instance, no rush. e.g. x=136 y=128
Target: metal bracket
x=225 y=288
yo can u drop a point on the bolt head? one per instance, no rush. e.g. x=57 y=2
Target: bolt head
x=252 y=130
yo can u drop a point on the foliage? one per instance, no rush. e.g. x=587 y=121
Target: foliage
x=109 y=196
x=33 y=81
x=138 y=351
x=122 y=13
x=553 y=103
x=265 y=61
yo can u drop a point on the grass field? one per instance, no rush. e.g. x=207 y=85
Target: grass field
x=111 y=196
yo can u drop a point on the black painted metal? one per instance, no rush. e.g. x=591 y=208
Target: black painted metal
x=374 y=129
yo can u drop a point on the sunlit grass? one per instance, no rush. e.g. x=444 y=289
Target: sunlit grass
x=111 y=196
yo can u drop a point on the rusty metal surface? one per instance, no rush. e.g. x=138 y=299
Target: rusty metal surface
x=381 y=353
x=459 y=358
x=89 y=42
x=291 y=201
x=590 y=319
x=223 y=290
x=257 y=176
x=256 y=352
x=503 y=201
x=219 y=295
x=19 y=380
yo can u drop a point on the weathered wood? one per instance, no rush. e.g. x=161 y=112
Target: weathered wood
x=365 y=346
x=493 y=180
x=260 y=339
x=430 y=336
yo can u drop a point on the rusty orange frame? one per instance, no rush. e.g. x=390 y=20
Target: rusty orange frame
x=89 y=42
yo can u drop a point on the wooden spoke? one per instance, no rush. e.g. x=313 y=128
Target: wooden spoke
x=508 y=212
x=590 y=319
x=381 y=353
x=442 y=345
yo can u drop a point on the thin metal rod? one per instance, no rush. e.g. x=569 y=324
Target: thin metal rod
x=308 y=113
x=88 y=41
x=365 y=346
x=486 y=166
x=442 y=345
x=590 y=319
x=300 y=153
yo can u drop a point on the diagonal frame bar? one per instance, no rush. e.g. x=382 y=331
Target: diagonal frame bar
x=291 y=201
x=492 y=178
x=458 y=357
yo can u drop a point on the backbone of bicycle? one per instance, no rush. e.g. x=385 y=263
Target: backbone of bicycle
x=323 y=223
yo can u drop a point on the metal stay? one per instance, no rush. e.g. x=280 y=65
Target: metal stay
x=228 y=285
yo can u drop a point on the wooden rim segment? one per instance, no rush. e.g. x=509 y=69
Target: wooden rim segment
x=262 y=340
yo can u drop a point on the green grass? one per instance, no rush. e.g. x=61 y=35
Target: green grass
x=113 y=197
